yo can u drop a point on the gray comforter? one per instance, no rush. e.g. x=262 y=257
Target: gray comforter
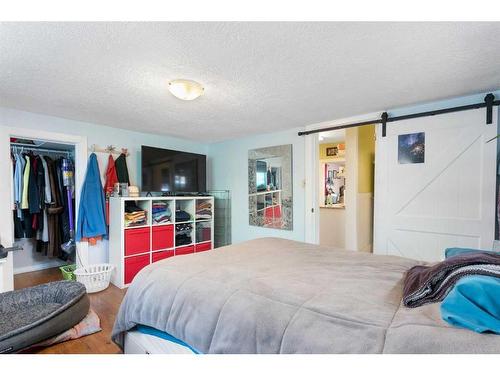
x=277 y=296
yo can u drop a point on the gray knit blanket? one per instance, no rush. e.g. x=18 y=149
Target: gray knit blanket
x=430 y=284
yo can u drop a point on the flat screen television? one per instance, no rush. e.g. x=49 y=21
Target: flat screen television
x=171 y=171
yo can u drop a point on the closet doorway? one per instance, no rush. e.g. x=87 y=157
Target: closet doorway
x=33 y=143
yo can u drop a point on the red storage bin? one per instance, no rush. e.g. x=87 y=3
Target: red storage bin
x=268 y=212
x=184 y=250
x=206 y=234
x=203 y=247
x=162 y=255
x=136 y=241
x=163 y=237
x=133 y=265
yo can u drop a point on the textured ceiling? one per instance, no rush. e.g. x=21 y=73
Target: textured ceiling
x=258 y=77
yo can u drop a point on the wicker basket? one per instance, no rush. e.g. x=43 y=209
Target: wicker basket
x=95 y=277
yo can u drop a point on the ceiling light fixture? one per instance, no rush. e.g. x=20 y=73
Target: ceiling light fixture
x=185 y=89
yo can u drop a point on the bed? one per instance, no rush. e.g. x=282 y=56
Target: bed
x=31 y=315
x=273 y=295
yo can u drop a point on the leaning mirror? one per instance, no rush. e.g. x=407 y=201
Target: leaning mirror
x=270 y=187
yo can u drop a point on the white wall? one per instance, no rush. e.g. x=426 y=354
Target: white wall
x=230 y=172
x=102 y=136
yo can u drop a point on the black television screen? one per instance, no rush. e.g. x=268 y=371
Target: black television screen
x=172 y=171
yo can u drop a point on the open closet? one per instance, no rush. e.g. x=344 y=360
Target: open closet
x=43 y=203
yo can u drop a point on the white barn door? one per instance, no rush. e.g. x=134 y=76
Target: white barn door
x=447 y=201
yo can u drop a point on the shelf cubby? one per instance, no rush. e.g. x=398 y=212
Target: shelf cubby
x=187 y=206
x=203 y=231
x=162 y=211
x=136 y=213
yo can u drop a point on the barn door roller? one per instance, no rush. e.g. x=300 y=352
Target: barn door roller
x=489 y=99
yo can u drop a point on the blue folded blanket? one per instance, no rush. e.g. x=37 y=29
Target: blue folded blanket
x=474 y=304
x=454 y=251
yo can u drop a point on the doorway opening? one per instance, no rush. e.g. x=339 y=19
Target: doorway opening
x=19 y=140
x=345 y=180
x=43 y=203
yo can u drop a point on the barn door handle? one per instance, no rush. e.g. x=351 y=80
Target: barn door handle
x=5 y=250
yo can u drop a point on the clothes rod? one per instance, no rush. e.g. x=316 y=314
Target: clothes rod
x=22 y=148
x=489 y=102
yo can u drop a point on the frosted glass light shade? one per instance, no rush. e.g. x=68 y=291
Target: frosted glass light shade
x=185 y=89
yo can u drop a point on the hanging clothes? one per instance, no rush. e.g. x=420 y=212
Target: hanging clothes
x=91 y=223
x=64 y=217
x=13 y=164
x=26 y=178
x=40 y=207
x=40 y=182
x=43 y=232
x=111 y=177
x=33 y=193
x=47 y=195
x=54 y=209
x=121 y=169
x=18 y=184
x=111 y=180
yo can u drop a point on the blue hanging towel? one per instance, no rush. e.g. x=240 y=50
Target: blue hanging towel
x=91 y=223
x=474 y=304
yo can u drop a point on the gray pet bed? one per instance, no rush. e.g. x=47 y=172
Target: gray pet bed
x=31 y=315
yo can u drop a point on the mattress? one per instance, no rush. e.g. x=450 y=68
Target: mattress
x=273 y=295
x=150 y=341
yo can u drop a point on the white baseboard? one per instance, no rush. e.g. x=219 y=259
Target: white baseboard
x=39 y=266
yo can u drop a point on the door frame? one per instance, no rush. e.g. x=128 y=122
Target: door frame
x=7 y=232
x=312 y=168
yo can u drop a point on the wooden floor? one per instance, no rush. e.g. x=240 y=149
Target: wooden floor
x=105 y=304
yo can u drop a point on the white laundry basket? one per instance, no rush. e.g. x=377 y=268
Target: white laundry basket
x=95 y=277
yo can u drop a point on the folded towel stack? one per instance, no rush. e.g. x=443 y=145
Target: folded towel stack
x=135 y=218
x=134 y=215
x=204 y=210
x=161 y=212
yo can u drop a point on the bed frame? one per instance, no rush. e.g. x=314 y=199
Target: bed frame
x=140 y=343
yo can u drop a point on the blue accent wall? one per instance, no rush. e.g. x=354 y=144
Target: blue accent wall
x=229 y=169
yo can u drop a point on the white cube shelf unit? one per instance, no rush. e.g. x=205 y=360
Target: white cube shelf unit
x=138 y=241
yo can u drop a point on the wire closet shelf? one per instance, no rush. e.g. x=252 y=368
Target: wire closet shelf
x=21 y=148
